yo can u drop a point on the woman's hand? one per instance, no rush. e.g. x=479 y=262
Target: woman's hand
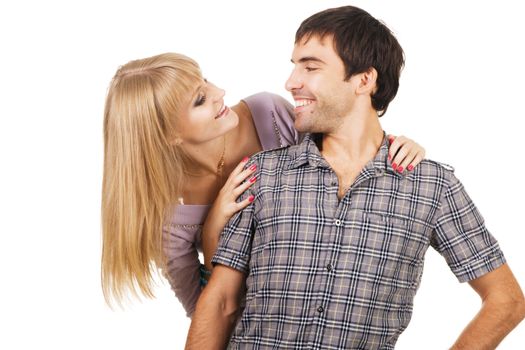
x=225 y=206
x=404 y=153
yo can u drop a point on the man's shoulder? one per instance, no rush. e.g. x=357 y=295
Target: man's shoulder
x=276 y=157
x=431 y=170
x=429 y=165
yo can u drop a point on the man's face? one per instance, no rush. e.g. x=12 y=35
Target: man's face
x=322 y=97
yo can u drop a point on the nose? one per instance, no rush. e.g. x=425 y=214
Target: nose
x=218 y=94
x=294 y=82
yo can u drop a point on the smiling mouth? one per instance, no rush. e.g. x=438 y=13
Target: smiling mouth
x=222 y=112
x=299 y=103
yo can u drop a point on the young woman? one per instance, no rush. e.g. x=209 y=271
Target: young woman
x=174 y=158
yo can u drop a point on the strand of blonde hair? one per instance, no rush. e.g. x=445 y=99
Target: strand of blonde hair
x=143 y=171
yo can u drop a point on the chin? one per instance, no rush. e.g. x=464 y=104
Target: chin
x=233 y=122
x=303 y=127
x=233 y=118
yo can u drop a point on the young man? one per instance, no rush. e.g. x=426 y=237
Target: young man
x=331 y=251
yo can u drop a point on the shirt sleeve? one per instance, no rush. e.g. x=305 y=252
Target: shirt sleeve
x=234 y=248
x=182 y=263
x=461 y=237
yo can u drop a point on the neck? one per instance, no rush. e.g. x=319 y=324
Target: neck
x=358 y=137
x=203 y=159
x=244 y=138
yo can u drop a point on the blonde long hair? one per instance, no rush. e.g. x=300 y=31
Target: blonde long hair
x=143 y=170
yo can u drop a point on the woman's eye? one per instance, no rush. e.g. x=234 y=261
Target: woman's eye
x=200 y=100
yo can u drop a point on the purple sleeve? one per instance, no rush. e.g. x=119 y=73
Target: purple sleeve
x=285 y=118
x=182 y=260
x=273 y=117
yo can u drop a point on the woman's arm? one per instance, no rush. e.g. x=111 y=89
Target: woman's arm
x=182 y=264
x=224 y=207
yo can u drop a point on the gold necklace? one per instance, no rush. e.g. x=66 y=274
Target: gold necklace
x=220 y=164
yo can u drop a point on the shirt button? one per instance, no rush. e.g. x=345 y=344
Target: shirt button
x=320 y=309
x=329 y=267
x=334 y=183
x=337 y=222
x=379 y=171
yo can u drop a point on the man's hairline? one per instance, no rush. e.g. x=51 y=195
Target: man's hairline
x=321 y=36
x=309 y=35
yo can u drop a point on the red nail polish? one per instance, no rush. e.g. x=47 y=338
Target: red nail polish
x=245 y=159
x=410 y=167
x=253 y=167
x=252 y=180
x=251 y=198
x=394 y=166
x=400 y=169
x=389 y=157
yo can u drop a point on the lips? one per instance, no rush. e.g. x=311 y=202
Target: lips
x=222 y=112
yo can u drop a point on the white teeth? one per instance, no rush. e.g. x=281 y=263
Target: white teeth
x=302 y=103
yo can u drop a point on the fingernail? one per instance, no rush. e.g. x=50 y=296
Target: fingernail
x=389 y=157
x=253 y=167
x=410 y=167
x=251 y=198
x=252 y=180
x=391 y=139
x=245 y=159
x=400 y=169
x=394 y=166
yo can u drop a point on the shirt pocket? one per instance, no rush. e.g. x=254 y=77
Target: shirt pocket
x=396 y=234
x=397 y=243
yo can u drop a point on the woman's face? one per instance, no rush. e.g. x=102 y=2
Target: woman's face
x=206 y=117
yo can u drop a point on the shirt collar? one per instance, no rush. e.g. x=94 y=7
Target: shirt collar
x=307 y=152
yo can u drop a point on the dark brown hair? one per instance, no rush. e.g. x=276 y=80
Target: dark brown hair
x=362 y=42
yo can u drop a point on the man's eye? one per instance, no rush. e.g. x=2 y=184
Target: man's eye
x=310 y=69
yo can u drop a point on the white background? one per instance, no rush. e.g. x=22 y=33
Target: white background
x=461 y=97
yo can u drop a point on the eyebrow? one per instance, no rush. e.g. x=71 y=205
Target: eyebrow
x=308 y=59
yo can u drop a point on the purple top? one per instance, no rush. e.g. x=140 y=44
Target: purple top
x=273 y=118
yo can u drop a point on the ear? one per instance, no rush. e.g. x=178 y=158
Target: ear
x=367 y=82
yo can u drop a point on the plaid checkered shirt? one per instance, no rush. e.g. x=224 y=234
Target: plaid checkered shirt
x=330 y=273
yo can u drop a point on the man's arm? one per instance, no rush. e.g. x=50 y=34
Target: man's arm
x=217 y=310
x=503 y=307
